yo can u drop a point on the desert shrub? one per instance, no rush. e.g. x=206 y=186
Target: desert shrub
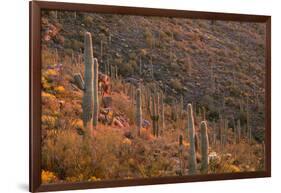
x=148 y=37
x=121 y=104
x=47 y=58
x=48 y=121
x=52 y=14
x=48 y=177
x=164 y=36
x=143 y=52
x=59 y=89
x=76 y=45
x=176 y=84
x=59 y=39
x=127 y=68
x=67 y=154
x=234 y=91
x=133 y=56
x=112 y=151
x=88 y=20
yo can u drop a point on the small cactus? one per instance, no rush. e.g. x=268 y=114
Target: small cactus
x=191 y=133
x=138 y=111
x=78 y=80
x=204 y=147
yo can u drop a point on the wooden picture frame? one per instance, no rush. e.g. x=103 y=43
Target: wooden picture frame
x=36 y=7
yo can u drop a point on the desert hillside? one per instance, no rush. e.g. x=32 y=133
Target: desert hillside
x=215 y=66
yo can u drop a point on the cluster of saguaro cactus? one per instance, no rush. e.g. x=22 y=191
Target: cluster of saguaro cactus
x=138 y=111
x=193 y=141
x=89 y=85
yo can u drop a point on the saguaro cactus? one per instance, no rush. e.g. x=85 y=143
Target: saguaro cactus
x=101 y=50
x=95 y=97
x=225 y=131
x=162 y=116
x=204 y=147
x=138 y=111
x=154 y=112
x=87 y=101
x=238 y=131
x=181 y=153
x=181 y=107
x=214 y=133
x=191 y=134
x=140 y=67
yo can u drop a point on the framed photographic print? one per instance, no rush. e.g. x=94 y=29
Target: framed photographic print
x=123 y=96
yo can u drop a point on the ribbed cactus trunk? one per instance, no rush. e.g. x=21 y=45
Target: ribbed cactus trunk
x=157 y=113
x=154 y=113
x=148 y=95
x=162 y=115
x=225 y=132
x=87 y=101
x=153 y=106
x=203 y=114
x=191 y=133
x=238 y=131
x=95 y=97
x=101 y=50
x=181 y=154
x=220 y=129
x=140 y=67
x=181 y=107
x=111 y=71
x=138 y=111
x=214 y=134
x=234 y=130
x=204 y=147
x=116 y=72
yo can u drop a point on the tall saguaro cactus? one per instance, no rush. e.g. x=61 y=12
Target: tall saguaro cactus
x=238 y=131
x=204 y=147
x=181 y=154
x=191 y=134
x=95 y=93
x=138 y=111
x=154 y=112
x=162 y=115
x=87 y=101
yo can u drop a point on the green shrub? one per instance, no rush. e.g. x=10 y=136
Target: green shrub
x=88 y=20
x=176 y=84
